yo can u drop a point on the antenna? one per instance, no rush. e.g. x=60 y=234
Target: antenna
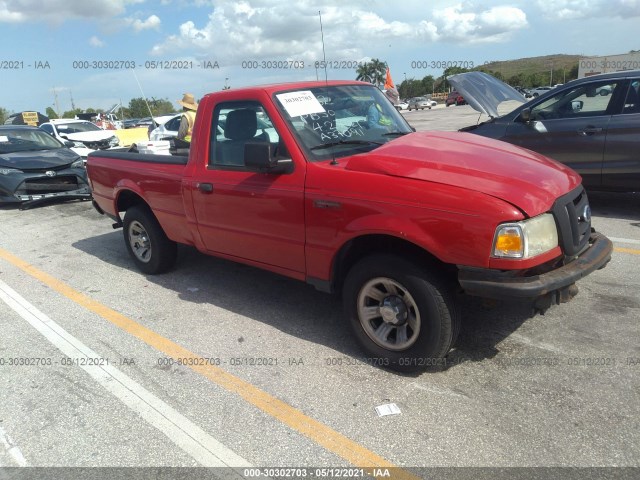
x=143 y=95
x=324 y=56
x=55 y=97
x=326 y=78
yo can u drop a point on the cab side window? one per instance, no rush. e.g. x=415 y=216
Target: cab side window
x=632 y=102
x=592 y=99
x=234 y=125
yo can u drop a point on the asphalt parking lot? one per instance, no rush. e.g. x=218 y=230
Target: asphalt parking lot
x=218 y=364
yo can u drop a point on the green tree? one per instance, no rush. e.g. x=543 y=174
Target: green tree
x=71 y=113
x=364 y=72
x=516 y=80
x=413 y=88
x=373 y=72
x=138 y=107
x=443 y=84
x=51 y=113
x=573 y=73
x=4 y=114
x=428 y=84
x=379 y=69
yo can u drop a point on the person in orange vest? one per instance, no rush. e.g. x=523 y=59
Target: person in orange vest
x=189 y=107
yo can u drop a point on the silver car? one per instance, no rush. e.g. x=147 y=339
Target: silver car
x=419 y=103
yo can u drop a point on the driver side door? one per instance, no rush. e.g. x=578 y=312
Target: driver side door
x=571 y=127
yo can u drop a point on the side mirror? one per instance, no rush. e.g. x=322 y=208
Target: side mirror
x=577 y=105
x=69 y=143
x=525 y=115
x=257 y=157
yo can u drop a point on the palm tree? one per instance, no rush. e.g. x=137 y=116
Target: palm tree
x=364 y=72
x=374 y=72
x=379 y=71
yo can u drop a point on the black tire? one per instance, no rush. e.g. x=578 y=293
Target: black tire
x=146 y=242
x=422 y=303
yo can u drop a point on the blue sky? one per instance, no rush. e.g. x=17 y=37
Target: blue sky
x=243 y=33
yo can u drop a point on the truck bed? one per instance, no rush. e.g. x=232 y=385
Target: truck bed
x=157 y=179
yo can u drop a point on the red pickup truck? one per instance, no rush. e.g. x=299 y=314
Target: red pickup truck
x=327 y=183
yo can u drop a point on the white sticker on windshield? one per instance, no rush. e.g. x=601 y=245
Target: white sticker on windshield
x=4 y=138
x=300 y=103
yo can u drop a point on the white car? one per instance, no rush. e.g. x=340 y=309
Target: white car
x=85 y=135
x=540 y=91
x=167 y=128
x=402 y=106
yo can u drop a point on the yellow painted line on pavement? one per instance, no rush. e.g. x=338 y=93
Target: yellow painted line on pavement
x=320 y=433
x=632 y=251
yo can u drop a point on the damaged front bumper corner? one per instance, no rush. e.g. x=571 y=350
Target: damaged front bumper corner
x=554 y=286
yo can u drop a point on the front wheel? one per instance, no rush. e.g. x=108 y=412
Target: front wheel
x=403 y=316
x=146 y=242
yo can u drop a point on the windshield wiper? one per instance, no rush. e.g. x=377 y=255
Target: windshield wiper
x=345 y=142
x=395 y=133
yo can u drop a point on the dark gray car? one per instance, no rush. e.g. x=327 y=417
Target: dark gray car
x=35 y=168
x=591 y=125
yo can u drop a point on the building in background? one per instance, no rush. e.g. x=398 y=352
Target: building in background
x=588 y=66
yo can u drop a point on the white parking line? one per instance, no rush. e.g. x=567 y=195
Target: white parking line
x=11 y=449
x=194 y=441
x=630 y=241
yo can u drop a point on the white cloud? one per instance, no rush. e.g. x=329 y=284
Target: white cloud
x=251 y=29
x=57 y=11
x=96 y=42
x=578 y=9
x=492 y=25
x=151 y=23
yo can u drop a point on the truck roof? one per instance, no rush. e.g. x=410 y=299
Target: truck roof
x=277 y=87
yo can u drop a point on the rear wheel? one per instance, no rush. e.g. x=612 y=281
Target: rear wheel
x=146 y=242
x=403 y=316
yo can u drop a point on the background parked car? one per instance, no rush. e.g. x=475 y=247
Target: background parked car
x=402 y=106
x=597 y=135
x=536 y=92
x=454 y=98
x=35 y=166
x=417 y=103
x=85 y=135
x=525 y=93
x=167 y=127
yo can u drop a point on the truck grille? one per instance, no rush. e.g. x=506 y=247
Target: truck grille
x=39 y=186
x=573 y=218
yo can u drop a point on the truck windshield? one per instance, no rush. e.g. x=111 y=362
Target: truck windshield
x=340 y=120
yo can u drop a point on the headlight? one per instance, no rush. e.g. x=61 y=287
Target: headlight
x=114 y=142
x=526 y=239
x=9 y=171
x=78 y=164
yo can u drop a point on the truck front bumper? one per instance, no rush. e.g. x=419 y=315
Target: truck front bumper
x=501 y=284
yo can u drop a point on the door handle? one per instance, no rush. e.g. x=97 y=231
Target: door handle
x=205 y=187
x=590 y=131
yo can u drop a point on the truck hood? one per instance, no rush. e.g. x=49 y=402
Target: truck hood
x=486 y=94
x=525 y=179
x=41 y=159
